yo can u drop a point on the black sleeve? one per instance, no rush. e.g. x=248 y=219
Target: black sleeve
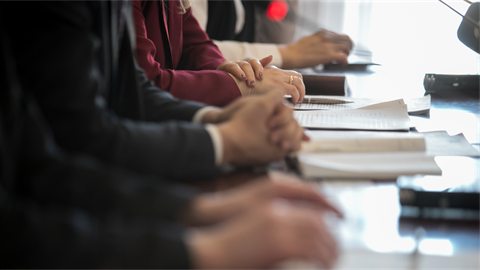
x=50 y=237
x=58 y=56
x=59 y=211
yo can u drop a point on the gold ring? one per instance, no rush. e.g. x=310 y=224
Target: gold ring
x=291 y=79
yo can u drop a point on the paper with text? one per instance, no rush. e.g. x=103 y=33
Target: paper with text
x=363 y=141
x=392 y=118
x=414 y=104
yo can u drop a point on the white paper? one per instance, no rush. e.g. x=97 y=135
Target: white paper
x=392 y=118
x=363 y=141
x=439 y=143
x=414 y=104
x=388 y=165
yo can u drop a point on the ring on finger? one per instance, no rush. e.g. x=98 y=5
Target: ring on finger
x=291 y=80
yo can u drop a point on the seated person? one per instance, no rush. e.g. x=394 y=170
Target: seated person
x=237 y=26
x=179 y=57
x=68 y=211
x=98 y=102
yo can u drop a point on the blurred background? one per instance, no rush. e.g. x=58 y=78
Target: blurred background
x=418 y=35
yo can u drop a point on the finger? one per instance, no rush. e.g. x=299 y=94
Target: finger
x=247 y=68
x=326 y=244
x=295 y=141
x=235 y=70
x=291 y=138
x=267 y=60
x=292 y=91
x=298 y=83
x=305 y=137
x=257 y=68
x=283 y=135
x=282 y=115
x=340 y=58
x=269 y=103
x=304 y=192
x=342 y=47
x=343 y=39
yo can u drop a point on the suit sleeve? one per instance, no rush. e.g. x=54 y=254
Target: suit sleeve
x=62 y=69
x=56 y=236
x=196 y=79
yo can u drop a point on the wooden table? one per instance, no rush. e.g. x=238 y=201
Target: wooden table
x=373 y=234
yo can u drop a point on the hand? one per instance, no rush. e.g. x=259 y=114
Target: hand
x=245 y=134
x=285 y=130
x=322 y=47
x=275 y=79
x=210 y=208
x=268 y=234
x=246 y=71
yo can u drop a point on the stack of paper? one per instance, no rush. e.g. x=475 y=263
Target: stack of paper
x=366 y=155
x=392 y=115
x=310 y=102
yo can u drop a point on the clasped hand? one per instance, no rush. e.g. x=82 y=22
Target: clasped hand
x=257 y=129
x=254 y=77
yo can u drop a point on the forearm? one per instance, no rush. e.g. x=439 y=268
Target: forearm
x=213 y=87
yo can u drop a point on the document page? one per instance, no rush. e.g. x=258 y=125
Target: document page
x=393 y=118
x=363 y=141
x=414 y=104
x=367 y=165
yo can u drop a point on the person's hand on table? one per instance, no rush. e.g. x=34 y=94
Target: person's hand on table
x=323 y=47
x=249 y=71
x=246 y=134
x=211 y=208
x=283 y=129
x=288 y=82
x=268 y=234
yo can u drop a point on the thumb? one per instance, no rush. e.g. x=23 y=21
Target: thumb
x=267 y=60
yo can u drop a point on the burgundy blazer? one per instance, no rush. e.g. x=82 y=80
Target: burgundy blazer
x=190 y=74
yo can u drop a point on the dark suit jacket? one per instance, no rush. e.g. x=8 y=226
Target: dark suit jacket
x=178 y=55
x=77 y=59
x=64 y=211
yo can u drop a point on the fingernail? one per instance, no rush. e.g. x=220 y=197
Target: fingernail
x=261 y=75
x=252 y=84
x=244 y=76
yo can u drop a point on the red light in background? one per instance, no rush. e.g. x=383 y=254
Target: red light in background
x=277 y=10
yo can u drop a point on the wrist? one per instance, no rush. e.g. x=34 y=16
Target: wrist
x=242 y=86
x=211 y=117
x=230 y=147
x=287 y=57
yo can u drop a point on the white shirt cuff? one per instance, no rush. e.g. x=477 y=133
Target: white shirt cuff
x=197 y=118
x=235 y=50
x=217 y=142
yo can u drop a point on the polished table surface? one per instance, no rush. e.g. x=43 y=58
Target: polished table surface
x=373 y=233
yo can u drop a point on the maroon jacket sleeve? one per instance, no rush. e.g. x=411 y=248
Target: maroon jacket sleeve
x=195 y=79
